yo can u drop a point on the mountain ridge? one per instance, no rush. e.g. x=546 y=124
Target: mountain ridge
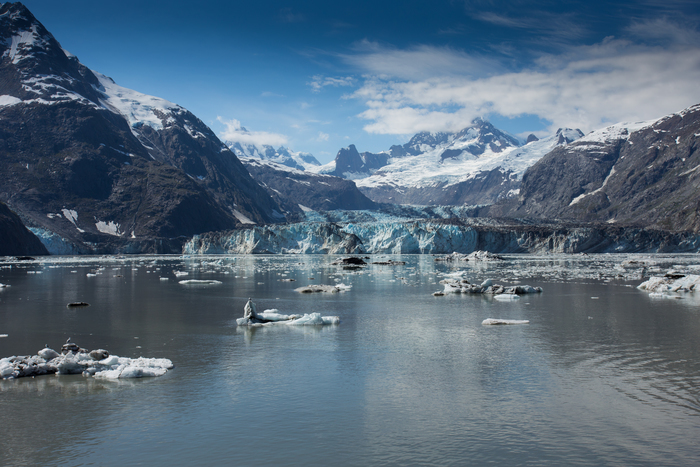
x=71 y=139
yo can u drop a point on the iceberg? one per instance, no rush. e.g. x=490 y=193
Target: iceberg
x=48 y=361
x=671 y=282
x=488 y=288
x=274 y=317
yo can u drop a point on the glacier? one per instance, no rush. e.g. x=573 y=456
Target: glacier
x=437 y=237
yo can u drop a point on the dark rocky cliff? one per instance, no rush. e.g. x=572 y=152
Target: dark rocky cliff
x=15 y=239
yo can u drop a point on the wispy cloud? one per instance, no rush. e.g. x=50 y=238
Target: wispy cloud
x=319 y=82
x=419 y=62
x=587 y=87
x=287 y=15
x=235 y=133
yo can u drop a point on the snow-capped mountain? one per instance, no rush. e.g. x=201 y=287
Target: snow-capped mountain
x=281 y=155
x=92 y=162
x=477 y=165
x=644 y=173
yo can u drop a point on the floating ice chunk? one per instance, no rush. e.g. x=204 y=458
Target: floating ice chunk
x=671 y=283
x=487 y=283
x=3 y=335
x=505 y=297
x=3 y=285
x=200 y=282
x=48 y=354
x=313 y=288
x=314 y=319
x=180 y=273
x=495 y=321
x=663 y=295
x=273 y=317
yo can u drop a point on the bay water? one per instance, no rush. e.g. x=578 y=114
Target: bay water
x=603 y=374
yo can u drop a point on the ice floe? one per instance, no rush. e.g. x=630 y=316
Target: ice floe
x=473 y=256
x=496 y=321
x=273 y=317
x=97 y=363
x=199 y=282
x=487 y=287
x=671 y=282
x=320 y=288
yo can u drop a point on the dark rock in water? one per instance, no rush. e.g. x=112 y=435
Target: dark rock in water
x=351 y=261
x=77 y=304
x=99 y=354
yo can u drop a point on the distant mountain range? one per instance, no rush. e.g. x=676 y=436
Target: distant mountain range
x=478 y=165
x=92 y=167
x=281 y=155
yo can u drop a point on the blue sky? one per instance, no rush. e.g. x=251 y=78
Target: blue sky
x=316 y=76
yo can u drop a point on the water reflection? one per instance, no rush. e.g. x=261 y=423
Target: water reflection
x=602 y=375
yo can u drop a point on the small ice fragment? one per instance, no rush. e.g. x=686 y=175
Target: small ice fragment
x=594 y=298
x=199 y=282
x=506 y=297
x=487 y=283
x=3 y=335
x=495 y=321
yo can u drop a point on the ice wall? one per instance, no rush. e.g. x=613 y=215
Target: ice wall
x=434 y=237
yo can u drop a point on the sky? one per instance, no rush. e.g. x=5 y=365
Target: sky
x=317 y=76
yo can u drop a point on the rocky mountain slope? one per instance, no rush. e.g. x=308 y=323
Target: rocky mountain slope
x=478 y=165
x=645 y=173
x=15 y=239
x=297 y=190
x=99 y=164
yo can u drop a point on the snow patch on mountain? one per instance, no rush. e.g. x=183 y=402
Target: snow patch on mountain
x=137 y=108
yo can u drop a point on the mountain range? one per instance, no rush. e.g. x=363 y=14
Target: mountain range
x=477 y=165
x=93 y=167
x=99 y=164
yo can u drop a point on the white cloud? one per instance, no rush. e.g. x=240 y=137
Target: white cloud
x=235 y=133
x=588 y=87
x=418 y=62
x=323 y=136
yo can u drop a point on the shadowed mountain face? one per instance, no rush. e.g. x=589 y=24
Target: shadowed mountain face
x=641 y=174
x=15 y=239
x=96 y=163
x=296 y=190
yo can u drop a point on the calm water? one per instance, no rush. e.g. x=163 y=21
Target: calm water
x=603 y=374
